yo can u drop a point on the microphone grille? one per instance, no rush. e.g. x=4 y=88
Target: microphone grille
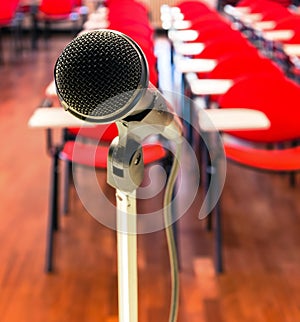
x=100 y=75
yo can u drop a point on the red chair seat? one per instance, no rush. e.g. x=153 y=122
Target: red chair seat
x=4 y=22
x=270 y=160
x=88 y=155
x=102 y=133
x=276 y=97
x=56 y=7
x=7 y=11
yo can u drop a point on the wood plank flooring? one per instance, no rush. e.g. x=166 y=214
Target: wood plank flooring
x=261 y=225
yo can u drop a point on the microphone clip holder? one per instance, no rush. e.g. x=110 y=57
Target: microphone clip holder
x=125 y=169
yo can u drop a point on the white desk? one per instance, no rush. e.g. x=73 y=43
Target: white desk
x=55 y=117
x=197 y=65
x=264 y=25
x=229 y=119
x=292 y=49
x=236 y=12
x=183 y=35
x=209 y=120
x=210 y=86
x=278 y=35
x=51 y=90
x=251 y=18
x=181 y=24
x=189 y=49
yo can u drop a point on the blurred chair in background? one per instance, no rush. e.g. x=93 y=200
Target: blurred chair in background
x=51 y=12
x=11 y=18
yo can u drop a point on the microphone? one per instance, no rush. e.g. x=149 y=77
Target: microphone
x=102 y=76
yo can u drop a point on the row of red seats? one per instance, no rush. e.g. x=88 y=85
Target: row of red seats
x=47 y=11
x=8 y=11
x=131 y=18
x=284 y=18
x=257 y=83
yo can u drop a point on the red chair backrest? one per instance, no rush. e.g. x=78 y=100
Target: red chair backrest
x=125 y=7
x=193 y=9
x=8 y=9
x=277 y=97
x=276 y=14
x=237 y=65
x=130 y=26
x=217 y=48
x=207 y=20
x=289 y=22
x=77 y=3
x=218 y=31
x=105 y=132
x=56 y=7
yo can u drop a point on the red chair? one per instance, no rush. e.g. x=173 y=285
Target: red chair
x=192 y=10
x=276 y=14
x=131 y=18
x=217 y=32
x=107 y=132
x=89 y=156
x=207 y=20
x=10 y=19
x=92 y=154
x=289 y=22
x=225 y=45
x=235 y=66
x=278 y=98
x=52 y=12
x=262 y=4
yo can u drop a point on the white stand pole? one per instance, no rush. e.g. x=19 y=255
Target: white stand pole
x=127 y=256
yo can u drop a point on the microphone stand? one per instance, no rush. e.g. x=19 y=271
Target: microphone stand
x=127 y=257
x=125 y=173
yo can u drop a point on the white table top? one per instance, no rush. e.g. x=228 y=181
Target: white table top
x=251 y=17
x=229 y=119
x=55 y=117
x=189 y=49
x=210 y=86
x=51 y=90
x=209 y=120
x=236 y=12
x=292 y=49
x=264 y=25
x=196 y=65
x=183 y=35
x=181 y=24
x=278 y=35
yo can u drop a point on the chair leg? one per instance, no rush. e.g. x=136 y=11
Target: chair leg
x=1 y=48
x=34 y=28
x=68 y=173
x=218 y=221
x=212 y=173
x=218 y=232
x=47 y=26
x=208 y=172
x=292 y=177
x=53 y=212
x=186 y=110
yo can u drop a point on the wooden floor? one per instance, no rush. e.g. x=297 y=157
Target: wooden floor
x=261 y=225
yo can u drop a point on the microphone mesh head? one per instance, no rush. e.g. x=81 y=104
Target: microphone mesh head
x=100 y=76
